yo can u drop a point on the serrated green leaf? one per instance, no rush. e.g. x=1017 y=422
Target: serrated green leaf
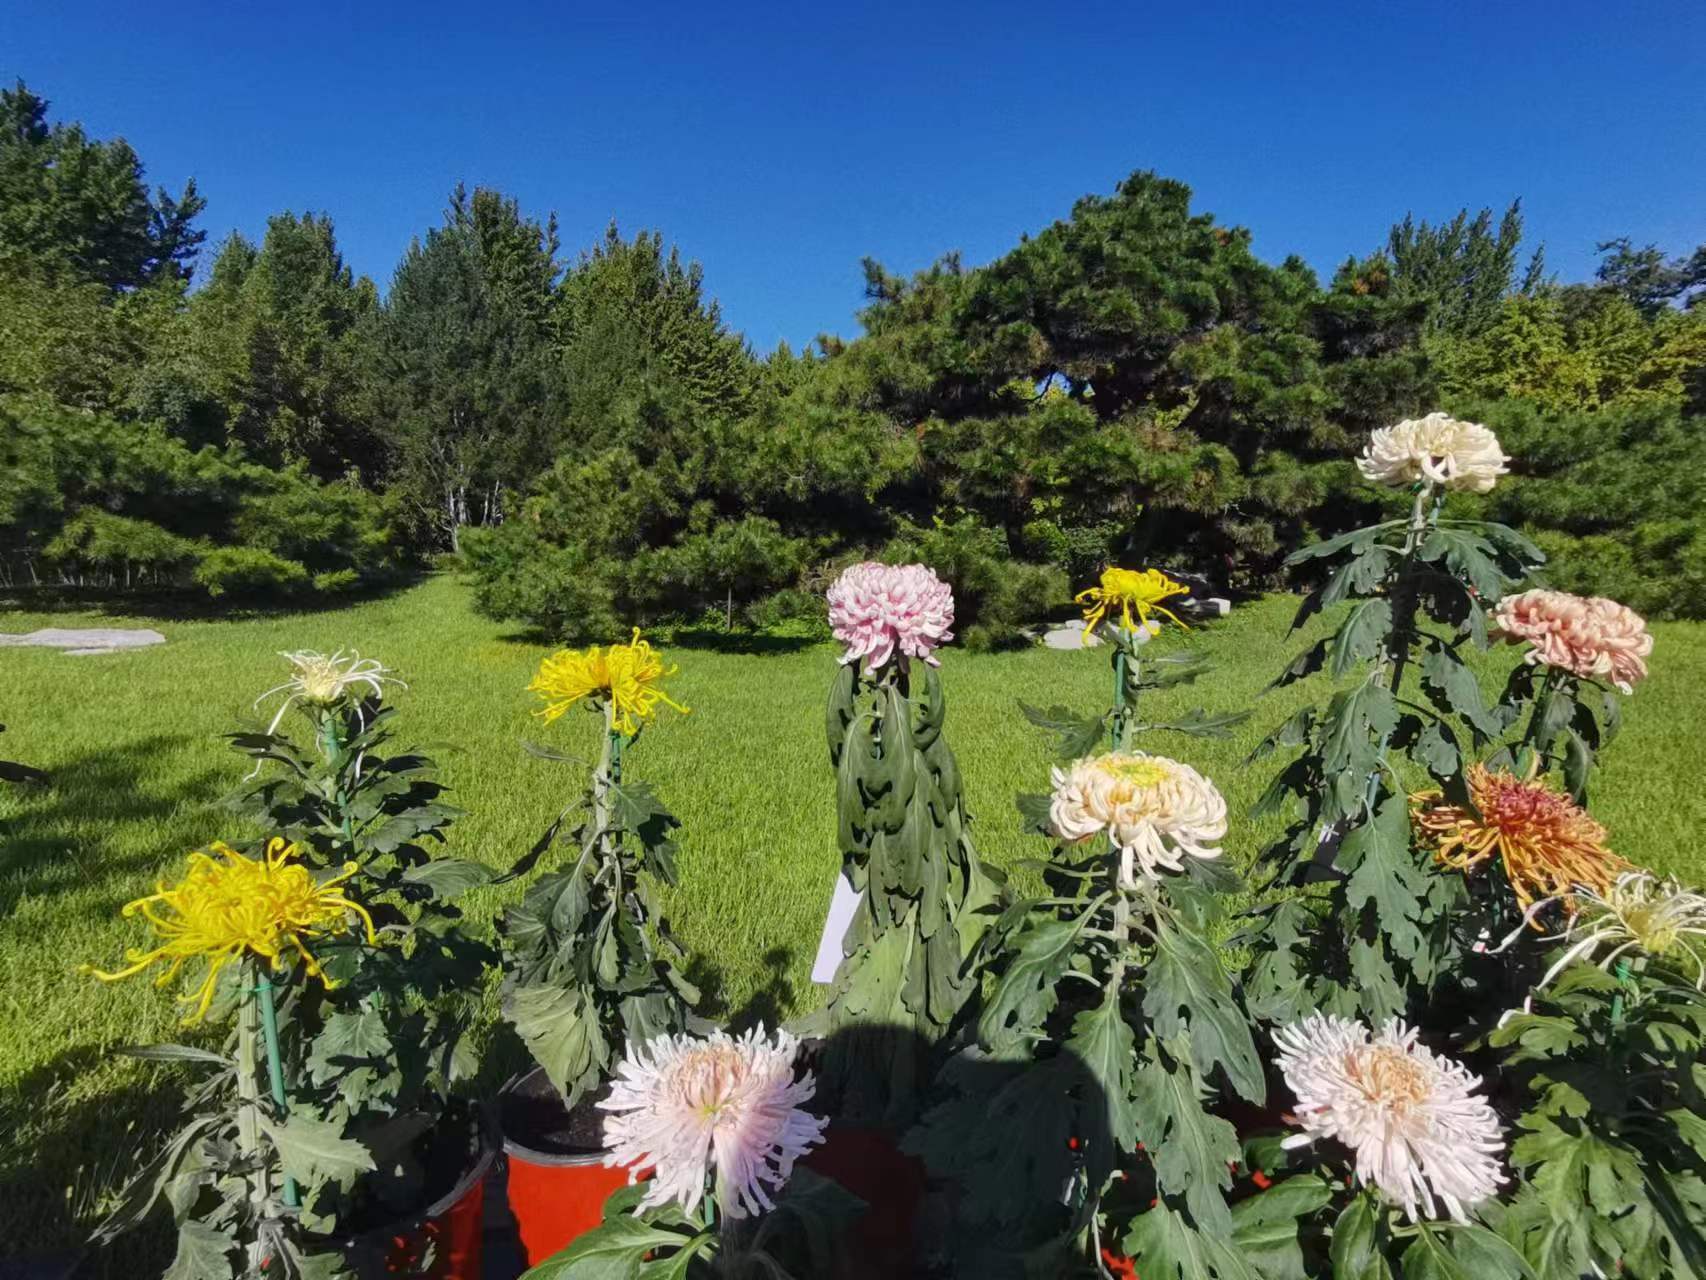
x=1103 y=1043
x=1355 y=1252
x=1468 y=556
x=1192 y=1150
x=1436 y=750
x=1356 y=724
x=314 y=1151
x=1163 y=1245
x=1382 y=871
x=1198 y=723
x=613 y=1250
x=1265 y=1226
x=1452 y=687
x=1356 y=539
x=204 y=1253
x=1024 y=994
x=449 y=878
x=1076 y=735
x=1362 y=635
x=560 y=1027
x=1187 y=989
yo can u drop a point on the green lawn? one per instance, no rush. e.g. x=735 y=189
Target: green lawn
x=132 y=741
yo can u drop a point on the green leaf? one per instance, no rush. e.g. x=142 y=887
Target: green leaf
x=1355 y=1253
x=1382 y=871
x=146 y=1187
x=1025 y=993
x=613 y=1250
x=821 y=1211
x=1192 y=1150
x=1265 y=1226
x=1361 y=635
x=314 y=1151
x=204 y=1253
x=560 y=1027
x=1076 y=735
x=176 y=1053
x=1436 y=750
x=1457 y=1252
x=1163 y=1245
x=1187 y=989
x=1468 y=556
x=449 y=878
x=1452 y=687
x=1198 y=723
x=1356 y=539
x=1034 y=813
x=1357 y=722
x=1104 y=1044
x=1360 y=576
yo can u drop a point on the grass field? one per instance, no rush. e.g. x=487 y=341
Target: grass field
x=132 y=741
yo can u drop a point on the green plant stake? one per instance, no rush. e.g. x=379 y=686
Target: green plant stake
x=275 y=1070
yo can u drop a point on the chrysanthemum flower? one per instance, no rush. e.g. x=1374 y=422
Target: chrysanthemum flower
x=685 y=1106
x=229 y=906
x=1434 y=450
x=1589 y=636
x=1546 y=842
x=1129 y=591
x=320 y=680
x=875 y=609
x=624 y=677
x=1157 y=811
x=1639 y=913
x=1417 y=1130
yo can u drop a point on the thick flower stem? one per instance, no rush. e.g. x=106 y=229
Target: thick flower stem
x=1391 y=672
x=1117 y=726
x=1532 y=750
x=332 y=747
x=249 y=1105
x=275 y=1069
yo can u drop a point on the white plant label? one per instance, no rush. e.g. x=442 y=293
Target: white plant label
x=842 y=904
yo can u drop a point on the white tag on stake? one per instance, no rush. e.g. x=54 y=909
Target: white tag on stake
x=841 y=908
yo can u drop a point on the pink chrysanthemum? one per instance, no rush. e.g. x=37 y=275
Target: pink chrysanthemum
x=1590 y=636
x=876 y=608
x=1417 y=1128
x=685 y=1106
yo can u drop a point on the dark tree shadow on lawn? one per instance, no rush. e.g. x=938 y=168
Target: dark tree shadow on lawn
x=102 y=790
x=187 y=605
x=64 y=1162
x=769 y=1005
x=713 y=640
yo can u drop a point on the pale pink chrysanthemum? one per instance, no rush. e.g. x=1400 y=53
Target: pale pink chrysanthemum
x=1590 y=636
x=685 y=1106
x=1155 y=810
x=1412 y=1119
x=875 y=609
x=1434 y=450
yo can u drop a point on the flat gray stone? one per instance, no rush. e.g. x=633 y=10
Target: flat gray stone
x=1070 y=638
x=81 y=642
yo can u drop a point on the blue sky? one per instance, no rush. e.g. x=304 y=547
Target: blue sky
x=780 y=145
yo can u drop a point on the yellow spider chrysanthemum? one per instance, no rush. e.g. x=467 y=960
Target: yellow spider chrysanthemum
x=622 y=676
x=228 y=906
x=1547 y=842
x=1128 y=590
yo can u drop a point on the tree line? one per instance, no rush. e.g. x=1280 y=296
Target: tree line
x=589 y=439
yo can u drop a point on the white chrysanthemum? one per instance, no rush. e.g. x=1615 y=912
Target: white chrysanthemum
x=1157 y=811
x=1411 y=1117
x=1435 y=450
x=1638 y=912
x=684 y=1106
x=320 y=680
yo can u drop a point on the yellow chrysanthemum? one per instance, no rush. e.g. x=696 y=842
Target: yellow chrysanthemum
x=623 y=676
x=229 y=906
x=1128 y=590
x=1547 y=842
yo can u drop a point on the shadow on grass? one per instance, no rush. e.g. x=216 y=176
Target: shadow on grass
x=64 y=1163
x=713 y=640
x=180 y=604
x=770 y=1005
x=100 y=791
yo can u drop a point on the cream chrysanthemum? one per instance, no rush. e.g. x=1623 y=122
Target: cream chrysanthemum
x=1434 y=450
x=1638 y=913
x=685 y=1106
x=1157 y=811
x=319 y=680
x=1589 y=636
x=1412 y=1119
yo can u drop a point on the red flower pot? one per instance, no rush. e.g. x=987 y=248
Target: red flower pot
x=869 y=1163
x=449 y=1231
x=557 y=1180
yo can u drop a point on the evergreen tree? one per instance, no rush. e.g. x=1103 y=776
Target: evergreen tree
x=72 y=205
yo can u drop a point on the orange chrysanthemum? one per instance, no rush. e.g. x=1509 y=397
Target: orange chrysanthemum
x=1546 y=842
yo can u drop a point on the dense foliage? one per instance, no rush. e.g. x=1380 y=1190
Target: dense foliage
x=1130 y=381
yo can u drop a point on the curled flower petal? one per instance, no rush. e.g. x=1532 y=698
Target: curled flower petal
x=626 y=677
x=1156 y=811
x=875 y=609
x=1435 y=450
x=1588 y=636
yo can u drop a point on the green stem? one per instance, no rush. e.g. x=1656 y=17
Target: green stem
x=249 y=1107
x=1119 y=727
x=275 y=1070
x=332 y=745
x=1532 y=748
x=1391 y=673
x=1622 y=975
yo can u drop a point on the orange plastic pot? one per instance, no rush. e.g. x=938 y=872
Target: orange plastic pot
x=869 y=1163
x=555 y=1195
x=450 y=1232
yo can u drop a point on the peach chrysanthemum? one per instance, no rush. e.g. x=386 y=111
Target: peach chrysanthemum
x=1155 y=810
x=1589 y=636
x=1434 y=450
x=1546 y=842
x=686 y=1107
x=1417 y=1128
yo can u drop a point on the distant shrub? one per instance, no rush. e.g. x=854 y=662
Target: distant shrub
x=994 y=594
x=249 y=571
x=557 y=589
